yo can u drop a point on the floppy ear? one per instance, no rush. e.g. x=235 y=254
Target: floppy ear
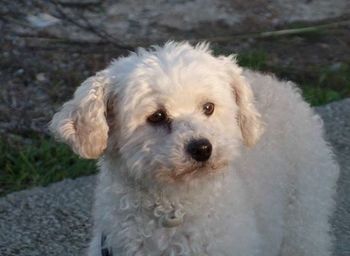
x=81 y=123
x=248 y=117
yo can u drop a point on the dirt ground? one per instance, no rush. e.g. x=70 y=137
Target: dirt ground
x=41 y=65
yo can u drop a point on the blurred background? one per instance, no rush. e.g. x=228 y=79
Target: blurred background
x=47 y=48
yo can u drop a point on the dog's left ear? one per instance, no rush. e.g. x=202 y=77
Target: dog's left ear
x=248 y=117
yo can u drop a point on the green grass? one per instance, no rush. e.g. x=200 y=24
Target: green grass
x=254 y=59
x=317 y=96
x=331 y=83
x=319 y=86
x=38 y=162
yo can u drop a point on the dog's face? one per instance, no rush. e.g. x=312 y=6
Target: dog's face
x=171 y=114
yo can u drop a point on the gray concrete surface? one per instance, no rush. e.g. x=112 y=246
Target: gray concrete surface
x=47 y=221
x=56 y=220
x=336 y=118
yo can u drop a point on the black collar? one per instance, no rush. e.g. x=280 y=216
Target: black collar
x=105 y=251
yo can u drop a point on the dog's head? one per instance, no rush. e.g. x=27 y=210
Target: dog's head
x=172 y=113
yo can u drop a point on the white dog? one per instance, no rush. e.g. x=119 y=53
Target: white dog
x=198 y=157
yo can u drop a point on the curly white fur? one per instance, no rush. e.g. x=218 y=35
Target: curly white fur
x=267 y=188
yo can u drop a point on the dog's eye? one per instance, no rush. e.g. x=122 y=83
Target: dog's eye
x=158 y=117
x=208 y=108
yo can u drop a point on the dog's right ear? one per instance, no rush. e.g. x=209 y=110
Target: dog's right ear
x=81 y=123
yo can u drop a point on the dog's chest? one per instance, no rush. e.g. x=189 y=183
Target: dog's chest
x=187 y=236
x=173 y=228
x=215 y=221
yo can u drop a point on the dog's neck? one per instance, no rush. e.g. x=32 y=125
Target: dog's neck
x=168 y=199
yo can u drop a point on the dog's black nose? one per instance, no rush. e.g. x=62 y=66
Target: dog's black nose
x=199 y=150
